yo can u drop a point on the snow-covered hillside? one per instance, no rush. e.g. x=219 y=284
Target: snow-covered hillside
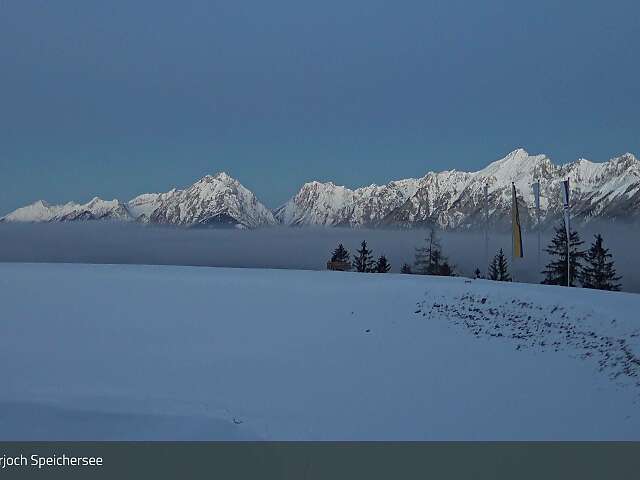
x=150 y=352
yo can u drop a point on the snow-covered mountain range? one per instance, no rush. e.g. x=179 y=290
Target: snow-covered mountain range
x=215 y=200
x=455 y=200
x=449 y=199
x=96 y=209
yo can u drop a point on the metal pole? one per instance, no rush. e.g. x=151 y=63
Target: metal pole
x=538 y=223
x=536 y=203
x=513 y=238
x=486 y=225
x=567 y=219
x=568 y=251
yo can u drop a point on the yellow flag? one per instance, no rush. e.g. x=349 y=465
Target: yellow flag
x=515 y=224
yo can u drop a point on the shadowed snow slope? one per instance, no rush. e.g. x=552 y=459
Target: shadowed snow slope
x=156 y=352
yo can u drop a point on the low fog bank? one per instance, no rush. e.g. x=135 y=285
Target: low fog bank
x=281 y=247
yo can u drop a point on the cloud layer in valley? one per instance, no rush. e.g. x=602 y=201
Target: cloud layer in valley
x=279 y=247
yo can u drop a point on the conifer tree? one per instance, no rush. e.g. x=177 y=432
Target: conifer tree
x=446 y=269
x=340 y=254
x=499 y=268
x=383 y=265
x=429 y=258
x=406 y=268
x=364 y=261
x=599 y=271
x=436 y=262
x=493 y=269
x=477 y=273
x=555 y=273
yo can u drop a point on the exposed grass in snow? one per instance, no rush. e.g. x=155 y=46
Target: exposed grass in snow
x=580 y=328
x=156 y=352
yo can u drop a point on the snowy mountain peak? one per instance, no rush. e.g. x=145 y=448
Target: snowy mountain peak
x=315 y=185
x=515 y=165
x=223 y=177
x=319 y=203
x=517 y=155
x=39 y=211
x=626 y=161
x=95 y=209
x=514 y=159
x=213 y=200
x=628 y=157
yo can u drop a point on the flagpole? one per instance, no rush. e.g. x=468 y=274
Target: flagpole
x=537 y=202
x=516 y=231
x=568 y=237
x=486 y=225
x=539 y=234
x=513 y=264
x=568 y=256
x=567 y=221
x=513 y=234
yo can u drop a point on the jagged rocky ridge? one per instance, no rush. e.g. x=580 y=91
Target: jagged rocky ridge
x=215 y=200
x=96 y=209
x=449 y=199
x=454 y=200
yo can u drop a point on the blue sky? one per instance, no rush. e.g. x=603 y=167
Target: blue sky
x=118 y=98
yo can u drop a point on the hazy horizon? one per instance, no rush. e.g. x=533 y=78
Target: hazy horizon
x=289 y=248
